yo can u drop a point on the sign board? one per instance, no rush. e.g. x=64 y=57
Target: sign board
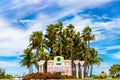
x=59 y=65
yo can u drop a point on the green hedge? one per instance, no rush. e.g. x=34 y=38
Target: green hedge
x=47 y=76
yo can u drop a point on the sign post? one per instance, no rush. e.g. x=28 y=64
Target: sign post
x=76 y=64
x=41 y=65
x=82 y=73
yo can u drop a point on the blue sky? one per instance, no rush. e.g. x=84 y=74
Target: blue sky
x=19 y=18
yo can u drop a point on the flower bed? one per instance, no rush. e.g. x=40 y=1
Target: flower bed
x=47 y=76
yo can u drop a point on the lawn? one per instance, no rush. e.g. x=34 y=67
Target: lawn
x=82 y=79
x=73 y=79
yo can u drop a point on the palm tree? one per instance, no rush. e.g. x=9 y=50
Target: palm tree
x=58 y=44
x=115 y=70
x=94 y=59
x=43 y=55
x=78 y=47
x=50 y=36
x=87 y=36
x=70 y=35
x=36 y=41
x=60 y=34
x=56 y=48
x=28 y=60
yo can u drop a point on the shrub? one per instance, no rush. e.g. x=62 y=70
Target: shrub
x=3 y=74
x=8 y=76
x=102 y=75
x=47 y=76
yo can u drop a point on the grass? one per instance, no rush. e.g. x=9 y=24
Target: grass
x=83 y=79
x=6 y=79
x=74 y=79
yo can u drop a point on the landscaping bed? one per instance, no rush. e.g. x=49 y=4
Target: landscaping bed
x=47 y=76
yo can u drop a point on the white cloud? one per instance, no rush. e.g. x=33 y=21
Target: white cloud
x=113 y=47
x=75 y=6
x=13 y=39
x=100 y=29
x=80 y=23
x=109 y=25
x=33 y=1
x=99 y=36
x=103 y=52
x=82 y=3
x=68 y=7
x=116 y=55
x=70 y=3
x=22 y=3
x=9 y=52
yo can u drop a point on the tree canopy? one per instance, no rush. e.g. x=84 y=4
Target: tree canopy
x=115 y=70
x=60 y=40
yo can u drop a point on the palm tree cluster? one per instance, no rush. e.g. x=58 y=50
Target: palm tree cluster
x=61 y=41
x=115 y=70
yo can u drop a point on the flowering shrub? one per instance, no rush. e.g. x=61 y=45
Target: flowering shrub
x=46 y=76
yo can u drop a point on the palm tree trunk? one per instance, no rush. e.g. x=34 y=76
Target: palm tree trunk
x=85 y=58
x=51 y=51
x=37 y=51
x=91 y=70
x=71 y=52
x=30 y=69
x=60 y=47
x=80 y=71
x=88 y=44
x=85 y=71
x=88 y=71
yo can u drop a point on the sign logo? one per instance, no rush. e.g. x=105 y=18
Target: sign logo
x=58 y=61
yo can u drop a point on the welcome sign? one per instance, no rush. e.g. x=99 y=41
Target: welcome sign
x=59 y=65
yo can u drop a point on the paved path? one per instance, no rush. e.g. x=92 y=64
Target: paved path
x=17 y=78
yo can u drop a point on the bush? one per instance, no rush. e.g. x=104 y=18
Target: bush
x=103 y=75
x=46 y=76
x=3 y=74
x=8 y=76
